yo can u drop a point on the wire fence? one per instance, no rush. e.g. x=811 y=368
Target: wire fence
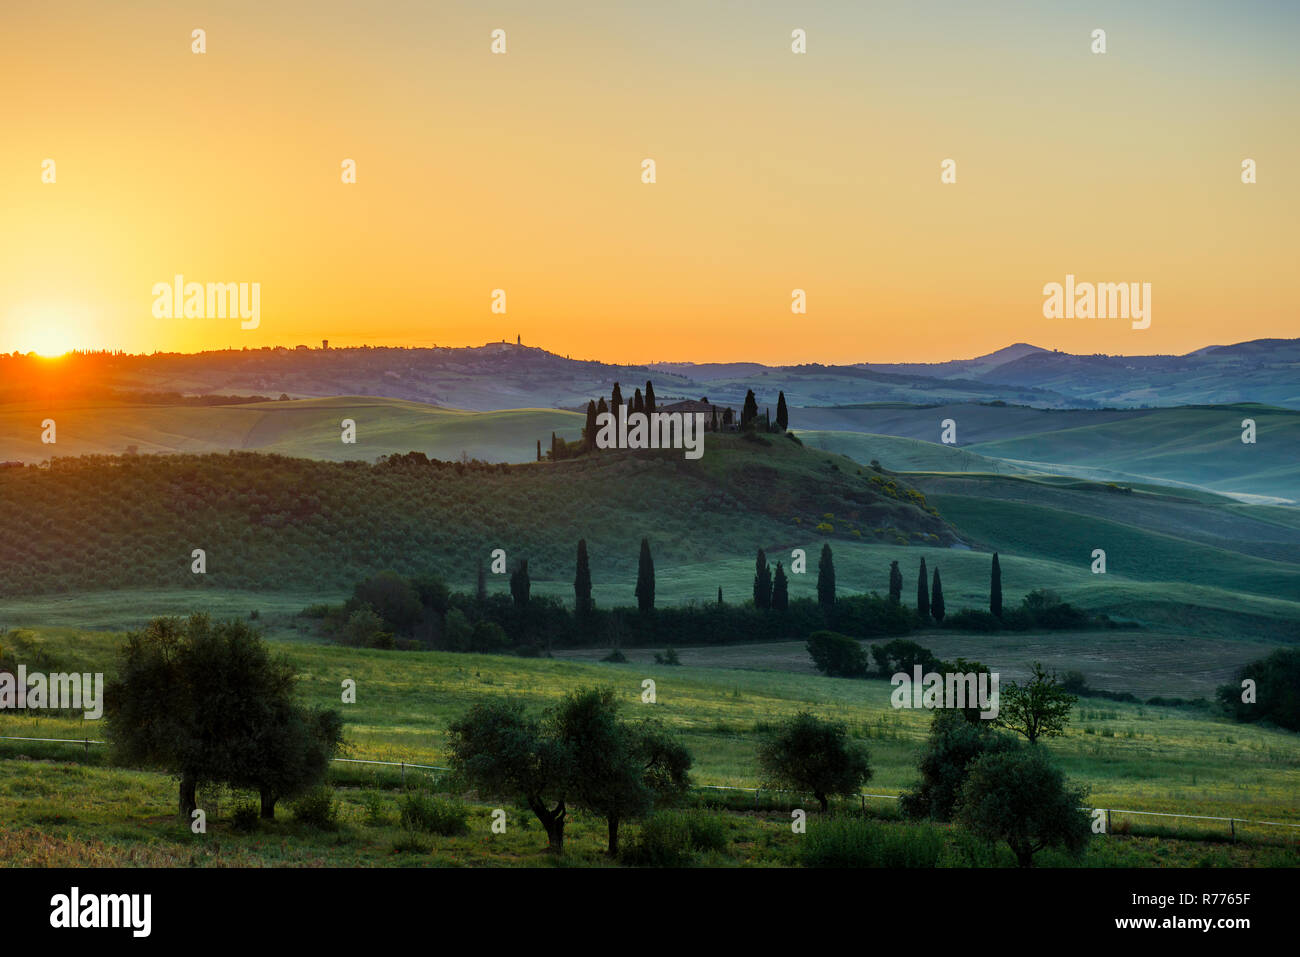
x=1232 y=822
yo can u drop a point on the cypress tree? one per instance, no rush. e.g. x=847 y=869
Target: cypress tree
x=649 y=397
x=995 y=589
x=714 y=427
x=826 y=579
x=782 y=413
x=601 y=408
x=615 y=400
x=589 y=430
x=923 y=593
x=719 y=594
x=728 y=416
x=520 y=584
x=645 y=579
x=539 y=450
x=582 y=581
x=749 y=414
x=762 y=582
x=895 y=583
x=936 y=598
x=780 y=590
x=638 y=402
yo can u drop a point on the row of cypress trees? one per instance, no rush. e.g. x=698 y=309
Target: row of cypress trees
x=929 y=591
x=771 y=587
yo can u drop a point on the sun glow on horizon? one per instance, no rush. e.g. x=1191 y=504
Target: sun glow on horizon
x=49 y=331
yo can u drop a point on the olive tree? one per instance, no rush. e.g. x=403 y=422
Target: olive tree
x=817 y=757
x=1022 y=798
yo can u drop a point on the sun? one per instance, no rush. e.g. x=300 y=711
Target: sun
x=48 y=334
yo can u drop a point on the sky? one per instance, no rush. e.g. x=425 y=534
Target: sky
x=775 y=171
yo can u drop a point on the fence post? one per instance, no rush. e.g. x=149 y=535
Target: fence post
x=1232 y=823
x=1107 y=820
x=403 y=775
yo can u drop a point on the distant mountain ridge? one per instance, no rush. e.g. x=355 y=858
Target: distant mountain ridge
x=964 y=368
x=505 y=375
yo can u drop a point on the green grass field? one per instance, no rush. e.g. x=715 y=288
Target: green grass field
x=308 y=428
x=1145 y=664
x=1132 y=757
x=900 y=454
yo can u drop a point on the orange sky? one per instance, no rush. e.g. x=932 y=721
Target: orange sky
x=522 y=172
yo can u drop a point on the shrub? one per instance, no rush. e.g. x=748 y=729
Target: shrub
x=376 y=813
x=901 y=655
x=952 y=745
x=708 y=831
x=411 y=843
x=970 y=619
x=364 y=629
x=837 y=655
x=1074 y=682
x=246 y=817
x=1046 y=610
x=488 y=637
x=1277 y=691
x=669 y=657
x=664 y=840
x=317 y=808
x=423 y=812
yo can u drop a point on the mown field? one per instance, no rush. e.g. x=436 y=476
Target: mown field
x=1145 y=664
x=62 y=806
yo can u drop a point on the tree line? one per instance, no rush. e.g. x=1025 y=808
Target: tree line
x=389 y=610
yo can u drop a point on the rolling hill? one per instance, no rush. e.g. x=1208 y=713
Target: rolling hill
x=272 y=522
x=502 y=375
x=308 y=428
x=1196 y=447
